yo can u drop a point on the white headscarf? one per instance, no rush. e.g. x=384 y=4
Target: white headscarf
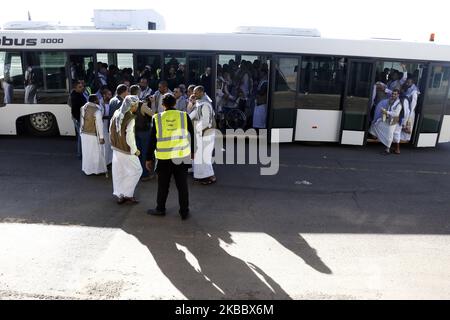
x=126 y=106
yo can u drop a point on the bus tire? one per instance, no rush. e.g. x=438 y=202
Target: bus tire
x=42 y=124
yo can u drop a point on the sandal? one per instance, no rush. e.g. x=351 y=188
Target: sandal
x=209 y=181
x=132 y=200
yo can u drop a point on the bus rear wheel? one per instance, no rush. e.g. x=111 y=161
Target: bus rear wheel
x=42 y=124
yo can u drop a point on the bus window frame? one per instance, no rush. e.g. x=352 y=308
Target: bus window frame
x=420 y=118
x=344 y=101
x=274 y=60
x=214 y=60
x=272 y=56
x=78 y=52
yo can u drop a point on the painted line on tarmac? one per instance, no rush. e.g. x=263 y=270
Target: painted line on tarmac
x=443 y=173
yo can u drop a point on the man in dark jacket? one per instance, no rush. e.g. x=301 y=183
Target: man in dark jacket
x=173 y=151
x=76 y=101
x=116 y=102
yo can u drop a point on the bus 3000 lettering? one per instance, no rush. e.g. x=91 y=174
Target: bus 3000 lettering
x=52 y=40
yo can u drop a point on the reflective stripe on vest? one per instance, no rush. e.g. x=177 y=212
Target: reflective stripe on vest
x=172 y=135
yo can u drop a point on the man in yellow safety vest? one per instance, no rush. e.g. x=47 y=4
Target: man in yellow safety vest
x=172 y=144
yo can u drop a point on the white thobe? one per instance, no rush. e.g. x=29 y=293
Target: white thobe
x=202 y=164
x=382 y=129
x=93 y=160
x=260 y=116
x=399 y=126
x=126 y=168
x=396 y=84
x=158 y=106
x=108 y=150
x=405 y=136
x=145 y=93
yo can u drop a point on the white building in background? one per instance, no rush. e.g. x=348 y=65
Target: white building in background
x=146 y=19
x=129 y=19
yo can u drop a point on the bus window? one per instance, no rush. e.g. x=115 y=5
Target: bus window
x=249 y=58
x=45 y=78
x=108 y=58
x=33 y=77
x=149 y=67
x=226 y=91
x=174 y=69
x=11 y=78
x=284 y=93
x=261 y=69
x=447 y=110
x=125 y=62
x=242 y=88
x=226 y=59
x=322 y=83
x=437 y=92
x=82 y=68
x=358 y=94
x=200 y=72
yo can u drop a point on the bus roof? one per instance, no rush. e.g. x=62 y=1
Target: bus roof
x=131 y=40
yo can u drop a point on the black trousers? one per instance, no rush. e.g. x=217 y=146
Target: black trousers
x=165 y=169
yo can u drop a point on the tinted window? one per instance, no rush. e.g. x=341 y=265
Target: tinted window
x=200 y=72
x=437 y=93
x=149 y=66
x=244 y=85
x=175 y=69
x=125 y=61
x=447 y=111
x=45 y=78
x=11 y=78
x=322 y=82
x=358 y=93
x=285 y=91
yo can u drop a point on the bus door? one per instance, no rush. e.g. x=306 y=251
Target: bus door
x=357 y=102
x=433 y=125
x=81 y=66
x=283 y=97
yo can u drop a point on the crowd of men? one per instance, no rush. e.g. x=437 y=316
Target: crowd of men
x=394 y=108
x=244 y=86
x=239 y=85
x=118 y=130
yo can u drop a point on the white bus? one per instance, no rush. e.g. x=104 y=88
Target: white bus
x=317 y=89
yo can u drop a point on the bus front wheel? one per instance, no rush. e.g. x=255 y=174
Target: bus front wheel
x=42 y=124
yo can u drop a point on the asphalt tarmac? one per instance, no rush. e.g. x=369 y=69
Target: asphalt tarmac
x=336 y=222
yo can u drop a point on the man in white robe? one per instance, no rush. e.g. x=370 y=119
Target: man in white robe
x=412 y=94
x=396 y=82
x=156 y=99
x=107 y=96
x=204 y=124
x=404 y=115
x=126 y=167
x=92 y=138
x=384 y=127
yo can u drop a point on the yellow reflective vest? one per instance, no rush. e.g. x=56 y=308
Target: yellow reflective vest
x=172 y=135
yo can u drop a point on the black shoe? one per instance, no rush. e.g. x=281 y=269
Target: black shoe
x=121 y=200
x=155 y=212
x=184 y=216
